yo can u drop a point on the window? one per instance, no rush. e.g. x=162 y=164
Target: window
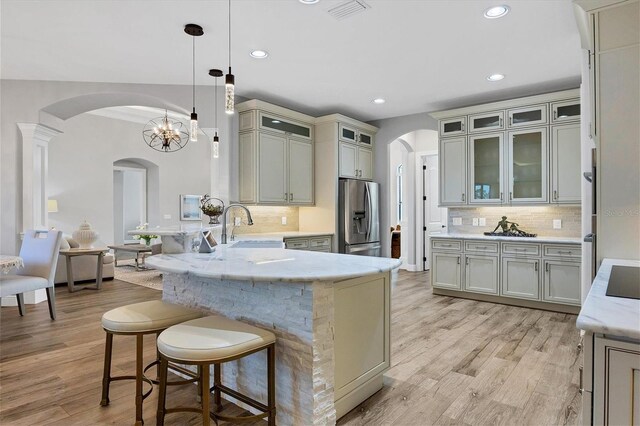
x=399 y=193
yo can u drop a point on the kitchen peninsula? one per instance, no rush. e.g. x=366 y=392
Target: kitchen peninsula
x=330 y=313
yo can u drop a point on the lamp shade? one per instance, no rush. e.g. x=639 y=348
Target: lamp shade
x=52 y=206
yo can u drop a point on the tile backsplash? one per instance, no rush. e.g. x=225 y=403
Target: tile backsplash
x=266 y=219
x=533 y=219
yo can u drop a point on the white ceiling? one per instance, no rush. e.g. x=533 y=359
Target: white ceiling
x=420 y=55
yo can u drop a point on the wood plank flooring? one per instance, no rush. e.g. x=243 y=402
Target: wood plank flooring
x=454 y=362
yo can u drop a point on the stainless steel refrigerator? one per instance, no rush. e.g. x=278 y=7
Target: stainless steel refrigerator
x=358 y=219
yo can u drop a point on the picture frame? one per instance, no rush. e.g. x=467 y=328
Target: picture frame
x=190 y=207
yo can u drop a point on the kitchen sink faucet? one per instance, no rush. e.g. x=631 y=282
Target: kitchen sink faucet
x=223 y=237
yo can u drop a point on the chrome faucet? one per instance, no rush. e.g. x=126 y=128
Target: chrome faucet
x=223 y=237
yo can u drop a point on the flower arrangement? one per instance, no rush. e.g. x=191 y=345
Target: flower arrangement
x=147 y=238
x=211 y=210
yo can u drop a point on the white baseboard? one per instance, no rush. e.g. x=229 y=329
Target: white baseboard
x=30 y=298
x=410 y=267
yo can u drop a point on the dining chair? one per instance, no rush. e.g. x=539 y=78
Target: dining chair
x=39 y=253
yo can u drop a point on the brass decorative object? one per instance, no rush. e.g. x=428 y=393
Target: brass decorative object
x=509 y=229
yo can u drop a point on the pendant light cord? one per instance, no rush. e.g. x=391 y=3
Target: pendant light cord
x=215 y=106
x=229 y=36
x=193 y=68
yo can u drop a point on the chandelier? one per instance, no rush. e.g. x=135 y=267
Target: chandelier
x=165 y=135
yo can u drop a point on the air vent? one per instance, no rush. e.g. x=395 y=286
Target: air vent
x=348 y=9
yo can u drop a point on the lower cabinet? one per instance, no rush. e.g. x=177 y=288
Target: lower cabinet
x=521 y=278
x=446 y=271
x=542 y=273
x=481 y=274
x=559 y=282
x=614 y=367
x=319 y=243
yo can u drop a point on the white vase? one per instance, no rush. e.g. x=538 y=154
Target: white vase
x=85 y=236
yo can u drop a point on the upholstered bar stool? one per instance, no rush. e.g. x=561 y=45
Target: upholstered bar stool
x=215 y=340
x=137 y=320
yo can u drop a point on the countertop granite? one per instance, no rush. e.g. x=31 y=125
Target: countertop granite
x=272 y=264
x=614 y=316
x=538 y=239
x=182 y=230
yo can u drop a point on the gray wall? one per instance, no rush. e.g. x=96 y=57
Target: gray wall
x=390 y=130
x=81 y=164
x=31 y=102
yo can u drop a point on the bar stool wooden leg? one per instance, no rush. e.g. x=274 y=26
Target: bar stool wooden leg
x=204 y=383
x=271 y=383
x=158 y=358
x=106 y=375
x=200 y=387
x=162 y=389
x=216 y=390
x=139 y=341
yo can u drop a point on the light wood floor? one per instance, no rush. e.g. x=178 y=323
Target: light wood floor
x=454 y=361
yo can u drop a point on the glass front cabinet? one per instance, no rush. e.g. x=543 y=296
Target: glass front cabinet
x=527 y=165
x=453 y=126
x=486 y=122
x=486 y=169
x=565 y=111
x=527 y=116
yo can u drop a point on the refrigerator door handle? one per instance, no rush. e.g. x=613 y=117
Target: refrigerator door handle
x=368 y=200
x=588 y=238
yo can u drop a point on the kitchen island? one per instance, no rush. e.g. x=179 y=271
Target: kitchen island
x=330 y=313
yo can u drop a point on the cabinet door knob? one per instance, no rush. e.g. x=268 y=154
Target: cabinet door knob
x=458 y=260
x=510 y=121
x=466 y=260
x=555 y=195
x=546 y=267
x=555 y=114
x=500 y=122
x=510 y=195
x=463 y=196
x=286 y=197
x=536 y=266
x=291 y=196
x=462 y=126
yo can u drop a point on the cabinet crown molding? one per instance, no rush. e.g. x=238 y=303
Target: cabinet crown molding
x=507 y=104
x=256 y=104
x=346 y=120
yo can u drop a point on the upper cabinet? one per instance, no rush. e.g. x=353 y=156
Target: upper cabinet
x=486 y=121
x=453 y=126
x=527 y=116
x=276 y=155
x=355 y=149
x=516 y=152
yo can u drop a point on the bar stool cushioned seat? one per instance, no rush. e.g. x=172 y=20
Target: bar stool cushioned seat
x=146 y=317
x=215 y=340
x=211 y=339
x=138 y=319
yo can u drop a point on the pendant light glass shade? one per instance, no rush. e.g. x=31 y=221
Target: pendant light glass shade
x=215 y=147
x=229 y=89
x=193 y=127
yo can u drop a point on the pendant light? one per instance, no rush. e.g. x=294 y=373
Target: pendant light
x=194 y=31
x=229 y=81
x=215 y=147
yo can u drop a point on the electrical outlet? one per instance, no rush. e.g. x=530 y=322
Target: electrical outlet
x=557 y=223
x=237 y=221
x=284 y=220
x=167 y=216
x=457 y=221
x=483 y=221
x=475 y=221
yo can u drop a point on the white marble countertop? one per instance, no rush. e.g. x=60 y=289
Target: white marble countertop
x=614 y=316
x=538 y=239
x=271 y=264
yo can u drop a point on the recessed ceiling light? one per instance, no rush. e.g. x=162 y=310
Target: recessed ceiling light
x=496 y=12
x=259 y=54
x=309 y=1
x=495 y=77
x=378 y=101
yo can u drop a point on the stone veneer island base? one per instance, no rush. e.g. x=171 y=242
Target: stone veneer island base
x=330 y=313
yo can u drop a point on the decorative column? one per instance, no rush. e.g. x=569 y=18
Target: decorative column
x=35 y=168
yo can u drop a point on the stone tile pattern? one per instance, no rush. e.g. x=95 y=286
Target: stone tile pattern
x=533 y=219
x=300 y=315
x=266 y=219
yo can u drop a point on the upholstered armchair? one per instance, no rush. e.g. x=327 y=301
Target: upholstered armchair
x=39 y=253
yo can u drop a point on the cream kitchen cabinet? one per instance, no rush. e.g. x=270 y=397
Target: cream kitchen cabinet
x=527 y=166
x=543 y=276
x=566 y=171
x=321 y=243
x=355 y=162
x=352 y=134
x=515 y=152
x=453 y=171
x=520 y=278
x=446 y=269
x=276 y=155
x=481 y=273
